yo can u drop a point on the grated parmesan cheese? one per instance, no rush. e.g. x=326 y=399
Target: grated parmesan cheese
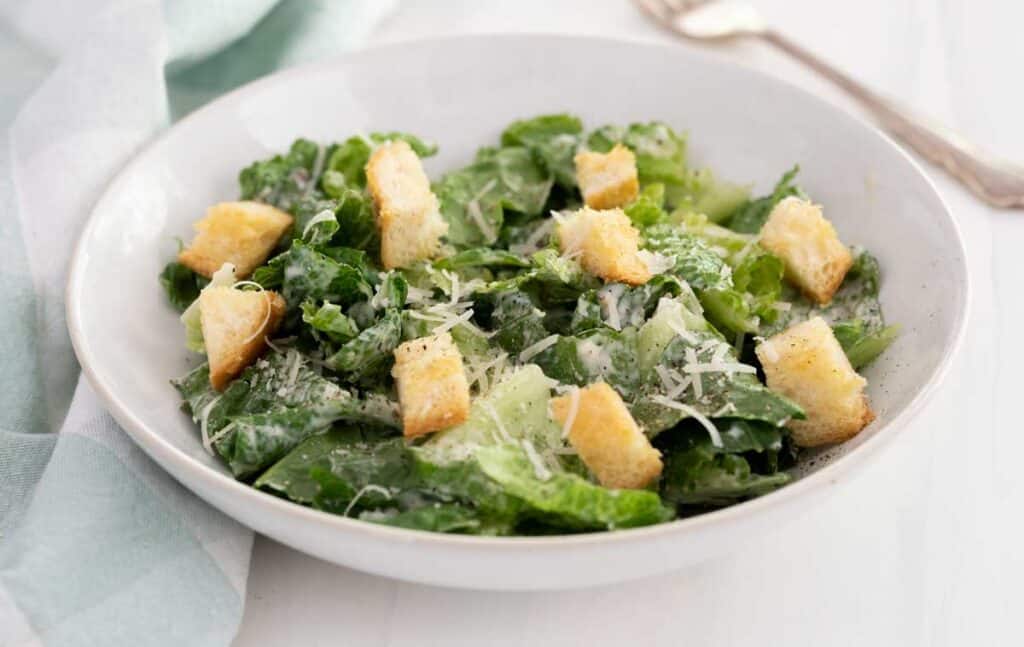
x=366 y=488
x=324 y=216
x=539 y=468
x=535 y=349
x=532 y=243
x=318 y=169
x=656 y=262
x=611 y=305
x=454 y=321
x=574 y=408
x=666 y=379
x=716 y=438
x=473 y=209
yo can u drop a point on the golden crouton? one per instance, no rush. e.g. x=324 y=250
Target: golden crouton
x=607 y=180
x=407 y=212
x=607 y=438
x=815 y=259
x=236 y=324
x=432 y=390
x=241 y=233
x=607 y=243
x=806 y=364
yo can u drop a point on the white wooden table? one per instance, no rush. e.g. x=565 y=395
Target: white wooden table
x=925 y=547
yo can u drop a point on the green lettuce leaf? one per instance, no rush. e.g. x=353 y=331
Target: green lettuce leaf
x=697 y=473
x=181 y=285
x=283 y=180
x=368 y=358
x=474 y=199
x=750 y=217
x=553 y=140
x=271 y=407
x=330 y=320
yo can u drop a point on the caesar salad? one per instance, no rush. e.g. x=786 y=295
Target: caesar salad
x=578 y=331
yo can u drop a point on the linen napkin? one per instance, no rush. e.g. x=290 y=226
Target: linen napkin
x=98 y=546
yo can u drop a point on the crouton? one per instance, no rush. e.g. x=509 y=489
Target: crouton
x=607 y=180
x=806 y=364
x=607 y=438
x=815 y=259
x=432 y=390
x=236 y=324
x=607 y=244
x=241 y=233
x=407 y=212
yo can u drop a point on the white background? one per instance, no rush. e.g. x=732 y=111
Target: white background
x=924 y=547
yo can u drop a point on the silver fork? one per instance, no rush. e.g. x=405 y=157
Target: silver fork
x=996 y=181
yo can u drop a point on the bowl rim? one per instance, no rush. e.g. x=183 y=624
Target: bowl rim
x=189 y=471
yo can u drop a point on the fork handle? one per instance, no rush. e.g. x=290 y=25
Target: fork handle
x=994 y=181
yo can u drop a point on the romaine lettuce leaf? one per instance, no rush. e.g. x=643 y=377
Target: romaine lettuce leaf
x=750 y=217
x=367 y=358
x=566 y=500
x=274 y=404
x=348 y=159
x=474 y=199
x=855 y=312
x=330 y=320
x=310 y=274
x=181 y=285
x=676 y=343
x=283 y=180
x=493 y=441
x=697 y=473
x=553 y=140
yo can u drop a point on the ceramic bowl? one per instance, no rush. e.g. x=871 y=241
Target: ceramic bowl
x=461 y=92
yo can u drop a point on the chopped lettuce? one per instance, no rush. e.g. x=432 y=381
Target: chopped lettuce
x=553 y=140
x=181 y=285
x=316 y=420
x=474 y=200
x=751 y=216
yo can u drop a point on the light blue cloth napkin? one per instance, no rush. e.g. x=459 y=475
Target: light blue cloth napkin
x=98 y=546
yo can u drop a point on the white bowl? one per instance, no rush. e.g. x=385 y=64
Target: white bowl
x=461 y=93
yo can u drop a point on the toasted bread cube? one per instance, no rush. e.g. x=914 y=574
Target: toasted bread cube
x=408 y=215
x=432 y=390
x=816 y=260
x=607 y=243
x=806 y=364
x=607 y=438
x=241 y=233
x=607 y=180
x=236 y=324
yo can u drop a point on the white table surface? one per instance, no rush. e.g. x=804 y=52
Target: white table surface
x=924 y=547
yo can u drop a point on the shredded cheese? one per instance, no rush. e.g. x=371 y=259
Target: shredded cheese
x=204 y=417
x=532 y=242
x=666 y=379
x=574 y=409
x=473 y=209
x=539 y=469
x=454 y=321
x=716 y=438
x=489 y=408
x=680 y=330
x=535 y=349
x=680 y=387
x=318 y=168
x=366 y=488
x=611 y=306
x=698 y=384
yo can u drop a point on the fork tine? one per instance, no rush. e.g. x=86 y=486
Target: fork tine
x=656 y=9
x=682 y=6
